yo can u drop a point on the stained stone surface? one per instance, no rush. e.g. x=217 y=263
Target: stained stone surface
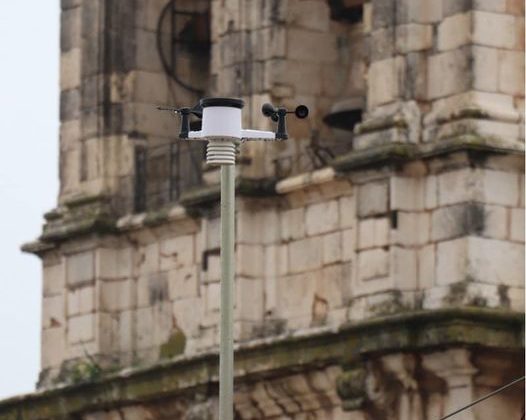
x=419 y=213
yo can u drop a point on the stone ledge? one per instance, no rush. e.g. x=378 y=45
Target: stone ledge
x=204 y=197
x=412 y=331
x=400 y=152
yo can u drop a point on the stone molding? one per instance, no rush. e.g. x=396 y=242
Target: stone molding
x=264 y=359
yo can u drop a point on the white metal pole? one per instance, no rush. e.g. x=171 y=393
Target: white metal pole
x=226 y=354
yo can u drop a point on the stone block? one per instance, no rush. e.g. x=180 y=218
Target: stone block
x=144 y=86
x=53 y=347
x=450 y=222
x=348 y=244
x=70 y=135
x=293 y=224
x=449 y=73
x=152 y=289
x=516 y=296
x=412 y=229
x=406 y=193
x=522 y=190
x=373 y=233
x=269 y=43
x=497 y=6
x=183 y=282
x=384 y=13
x=321 y=217
x=485 y=68
x=249 y=299
x=186 y=314
x=517 y=225
x=493 y=29
x=453 y=7
x=413 y=37
x=80 y=269
x=147 y=14
x=212 y=295
x=177 y=252
x=451 y=261
x=307 y=46
x=114 y=263
x=296 y=295
x=496 y=262
x=146 y=54
x=454 y=187
x=117 y=295
x=329 y=292
x=144 y=328
x=146 y=119
x=107 y=330
x=81 y=328
x=511 y=72
x=282 y=262
x=148 y=258
x=70 y=29
x=213 y=269
x=347 y=211
x=515 y=7
x=250 y=260
x=454 y=31
x=373 y=264
x=403 y=263
x=495 y=222
x=385 y=81
x=69 y=172
x=70 y=69
x=313 y=15
x=430 y=192
x=367 y=18
x=499 y=187
x=426 y=267
x=382 y=43
x=81 y=301
x=69 y=4
x=53 y=280
x=332 y=248
x=305 y=255
x=53 y=311
x=373 y=198
x=70 y=104
x=519 y=34
x=126 y=331
x=423 y=11
x=304 y=76
x=273 y=269
x=256 y=225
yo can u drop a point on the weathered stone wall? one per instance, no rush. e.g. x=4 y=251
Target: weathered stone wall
x=424 y=214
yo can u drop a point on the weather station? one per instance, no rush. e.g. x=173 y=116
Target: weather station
x=222 y=129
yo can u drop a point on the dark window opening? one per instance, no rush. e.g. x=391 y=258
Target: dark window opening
x=164 y=172
x=183 y=40
x=139 y=204
x=350 y=11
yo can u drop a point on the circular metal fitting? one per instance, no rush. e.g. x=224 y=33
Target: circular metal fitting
x=221 y=152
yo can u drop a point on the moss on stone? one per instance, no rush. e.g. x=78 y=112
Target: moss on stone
x=154 y=218
x=396 y=152
x=351 y=345
x=79 y=371
x=174 y=346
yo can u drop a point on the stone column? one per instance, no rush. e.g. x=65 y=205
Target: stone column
x=455 y=368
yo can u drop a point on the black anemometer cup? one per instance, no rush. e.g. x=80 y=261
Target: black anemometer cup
x=278 y=115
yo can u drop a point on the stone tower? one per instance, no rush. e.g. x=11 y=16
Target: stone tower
x=380 y=251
